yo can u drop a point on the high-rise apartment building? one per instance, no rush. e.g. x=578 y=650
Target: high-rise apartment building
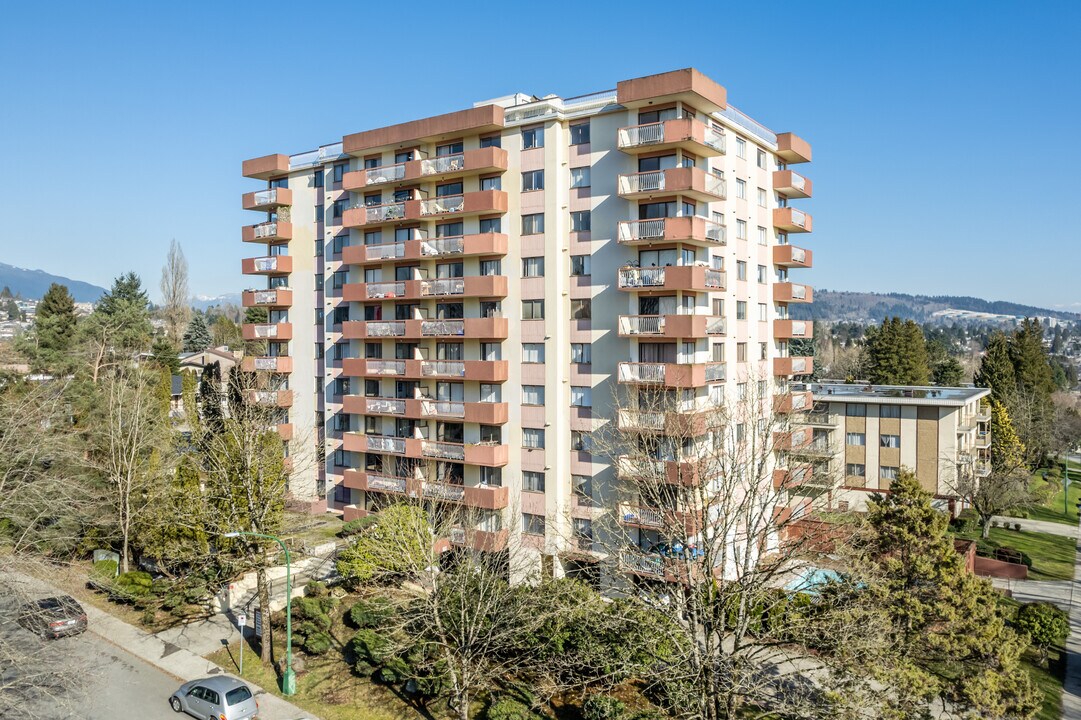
x=452 y=301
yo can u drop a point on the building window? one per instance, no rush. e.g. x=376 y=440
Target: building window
x=762 y=277
x=889 y=441
x=855 y=438
x=339 y=458
x=889 y=411
x=580 y=177
x=339 y=242
x=741 y=270
x=489 y=267
x=581 y=353
x=532 y=137
x=761 y=158
x=533 y=224
x=338 y=279
x=741 y=309
x=580 y=441
x=580 y=134
x=741 y=148
x=763 y=239
x=582 y=487
x=581 y=396
x=580 y=221
x=532 y=481
x=319 y=248
x=855 y=410
x=532 y=394
x=532 y=352
x=580 y=265
x=317 y=179
x=581 y=310
x=533 y=438
x=533 y=267
x=449 y=149
x=532 y=309
x=741 y=189
x=887 y=472
x=373 y=162
x=741 y=352
x=761 y=197
x=763 y=351
x=491 y=141
x=491 y=225
x=855 y=470
x=339 y=171
x=741 y=391
x=491 y=183
x=320 y=213
x=532 y=180
x=763 y=312
x=532 y=524
x=741 y=229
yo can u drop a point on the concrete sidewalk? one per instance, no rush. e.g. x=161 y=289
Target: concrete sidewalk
x=1071 y=692
x=1044 y=526
x=167 y=657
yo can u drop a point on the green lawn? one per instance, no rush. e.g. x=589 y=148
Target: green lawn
x=1050 y=507
x=1049 y=679
x=1052 y=555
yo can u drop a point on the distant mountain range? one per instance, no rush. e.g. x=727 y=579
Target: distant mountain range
x=202 y=302
x=842 y=306
x=32 y=284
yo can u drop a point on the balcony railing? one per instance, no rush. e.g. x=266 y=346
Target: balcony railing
x=266 y=197
x=441 y=205
x=266 y=297
x=637 y=515
x=799 y=292
x=642 y=372
x=442 y=327
x=799 y=365
x=799 y=218
x=654 y=134
x=660 y=228
x=265 y=363
x=385 y=174
x=799 y=328
x=265 y=264
x=443 y=491
x=442 y=368
x=265 y=230
x=385 y=290
x=386 y=443
x=393 y=328
x=444 y=286
x=637 y=419
x=263 y=332
x=799 y=255
x=385 y=367
x=443 y=408
x=642 y=564
x=641 y=324
x=442 y=450
x=384 y=213
x=387 y=483
x=443 y=164
x=388 y=251
x=442 y=246
x=385 y=406
x=641 y=277
x=716 y=372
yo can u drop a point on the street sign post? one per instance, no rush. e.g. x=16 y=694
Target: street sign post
x=241 y=621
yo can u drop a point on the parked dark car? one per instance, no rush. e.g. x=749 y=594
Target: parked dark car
x=53 y=617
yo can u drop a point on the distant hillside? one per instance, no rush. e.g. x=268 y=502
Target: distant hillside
x=202 y=302
x=32 y=284
x=866 y=306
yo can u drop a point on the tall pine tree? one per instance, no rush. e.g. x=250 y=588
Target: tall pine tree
x=210 y=397
x=197 y=337
x=996 y=370
x=54 y=326
x=896 y=354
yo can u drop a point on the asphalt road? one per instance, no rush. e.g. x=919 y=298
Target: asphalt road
x=115 y=684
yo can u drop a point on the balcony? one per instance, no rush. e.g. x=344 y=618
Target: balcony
x=267 y=331
x=693 y=229
x=788 y=366
x=792 y=148
x=273 y=232
x=671 y=326
x=264 y=363
x=792 y=402
x=675 y=375
x=694 y=278
x=470 y=162
x=792 y=256
x=673 y=472
x=271 y=265
x=285 y=431
x=983 y=440
x=470 y=370
x=469 y=204
x=277 y=298
x=689 y=422
x=268 y=166
x=789 y=329
x=791 y=220
x=426 y=248
x=791 y=184
x=473 y=286
x=486 y=413
x=687 y=85
x=276 y=398
x=984 y=413
x=687 y=134
x=487 y=454
x=689 y=182
x=649 y=518
x=983 y=468
x=473 y=328
x=788 y=292
x=267 y=200
x=481 y=540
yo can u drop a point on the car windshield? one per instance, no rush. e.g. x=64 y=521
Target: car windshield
x=237 y=696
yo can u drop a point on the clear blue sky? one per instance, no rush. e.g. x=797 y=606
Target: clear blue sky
x=945 y=134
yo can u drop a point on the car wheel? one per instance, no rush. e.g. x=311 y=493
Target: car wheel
x=174 y=703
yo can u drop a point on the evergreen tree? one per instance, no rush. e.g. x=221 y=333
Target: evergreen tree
x=947 y=625
x=127 y=291
x=255 y=315
x=996 y=370
x=896 y=354
x=121 y=320
x=197 y=337
x=55 y=329
x=165 y=356
x=1007 y=450
x=949 y=372
x=1030 y=362
x=210 y=399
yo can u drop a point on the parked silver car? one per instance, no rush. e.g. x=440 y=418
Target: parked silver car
x=215 y=698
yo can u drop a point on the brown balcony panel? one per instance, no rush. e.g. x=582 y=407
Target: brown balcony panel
x=792 y=220
x=478 y=454
x=694 y=230
x=267 y=199
x=792 y=256
x=482 y=202
x=665 y=423
x=686 y=85
x=272 y=265
x=267 y=331
x=687 y=134
x=791 y=402
x=674 y=472
x=670 y=326
x=482 y=540
x=277 y=398
x=271 y=233
x=285 y=431
x=788 y=292
x=484 y=119
x=792 y=148
x=471 y=328
x=268 y=166
x=691 y=278
x=791 y=184
x=789 y=366
x=694 y=183
x=485 y=286
x=788 y=329
x=468 y=370
x=434 y=169
x=263 y=363
x=674 y=375
x=276 y=298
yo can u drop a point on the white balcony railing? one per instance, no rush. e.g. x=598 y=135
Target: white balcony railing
x=386 y=443
x=443 y=408
x=443 y=491
x=631 y=372
x=442 y=368
x=637 y=419
x=393 y=328
x=642 y=564
x=385 y=406
x=799 y=255
x=266 y=297
x=385 y=290
x=443 y=164
x=638 y=515
x=266 y=197
x=715 y=138
x=799 y=365
x=385 y=367
x=443 y=450
x=715 y=278
x=716 y=326
x=641 y=277
x=266 y=397
x=266 y=363
x=266 y=331
x=641 y=324
x=442 y=327
x=799 y=292
x=389 y=173
x=388 y=251
x=639 y=230
x=443 y=286
x=716 y=372
x=441 y=205
x=383 y=213
x=387 y=483
x=267 y=229
x=442 y=246
x=641 y=182
x=799 y=219
x=799 y=329
x=649 y=134
x=799 y=182
x=265 y=264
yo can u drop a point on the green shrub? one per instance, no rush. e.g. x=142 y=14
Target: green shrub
x=103 y=572
x=317 y=643
x=134 y=584
x=1055 y=473
x=355 y=526
x=967 y=521
x=370 y=647
x=603 y=707
x=1046 y=625
x=370 y=613
x=509 y=709
x=316 y=589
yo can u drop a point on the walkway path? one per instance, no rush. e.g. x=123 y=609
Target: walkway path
x=1071 y=693
x=1044 y=526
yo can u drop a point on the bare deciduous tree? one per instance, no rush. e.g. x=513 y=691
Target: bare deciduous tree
x=175 y=296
